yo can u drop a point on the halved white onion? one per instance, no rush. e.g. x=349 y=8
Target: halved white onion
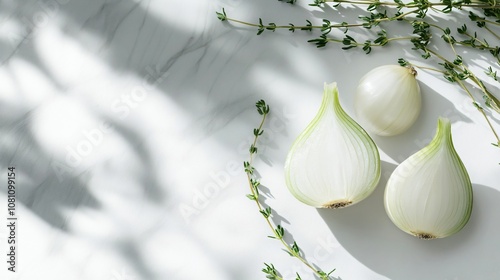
x=333 y=163
x=429 y=195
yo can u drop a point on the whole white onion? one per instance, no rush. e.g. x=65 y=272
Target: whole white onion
x=387 y=100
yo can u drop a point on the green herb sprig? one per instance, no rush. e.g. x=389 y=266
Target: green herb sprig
x=278 y=231
x=422 y=33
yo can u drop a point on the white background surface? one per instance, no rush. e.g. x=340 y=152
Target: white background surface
x=154 y=188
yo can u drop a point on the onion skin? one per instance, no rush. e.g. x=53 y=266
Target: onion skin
x=429 y=195
x=388 y=100
x=333 y=163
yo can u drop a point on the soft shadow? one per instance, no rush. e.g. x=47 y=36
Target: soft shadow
x=367 y=233
x=276 y=218
x=130 y=250
x=43 y=188
x=152 y=188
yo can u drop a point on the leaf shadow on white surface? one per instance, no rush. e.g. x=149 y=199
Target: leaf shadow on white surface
x=213 y=99
x=131 y=251
x=367 y=233
x=42 y=190
x=153 y=192
x=55 y=196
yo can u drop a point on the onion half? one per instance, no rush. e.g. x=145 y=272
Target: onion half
x=333 y=163
x=429 y=195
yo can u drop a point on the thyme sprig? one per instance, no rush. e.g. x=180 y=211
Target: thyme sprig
x=278 y=231
x=422 y=4
x=422 y=32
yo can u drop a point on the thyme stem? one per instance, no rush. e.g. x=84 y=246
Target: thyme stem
x=427 y=68
x=462 y=85
x=492 y=32
x=429 y=4
x=278 y=230
x=480 y=109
